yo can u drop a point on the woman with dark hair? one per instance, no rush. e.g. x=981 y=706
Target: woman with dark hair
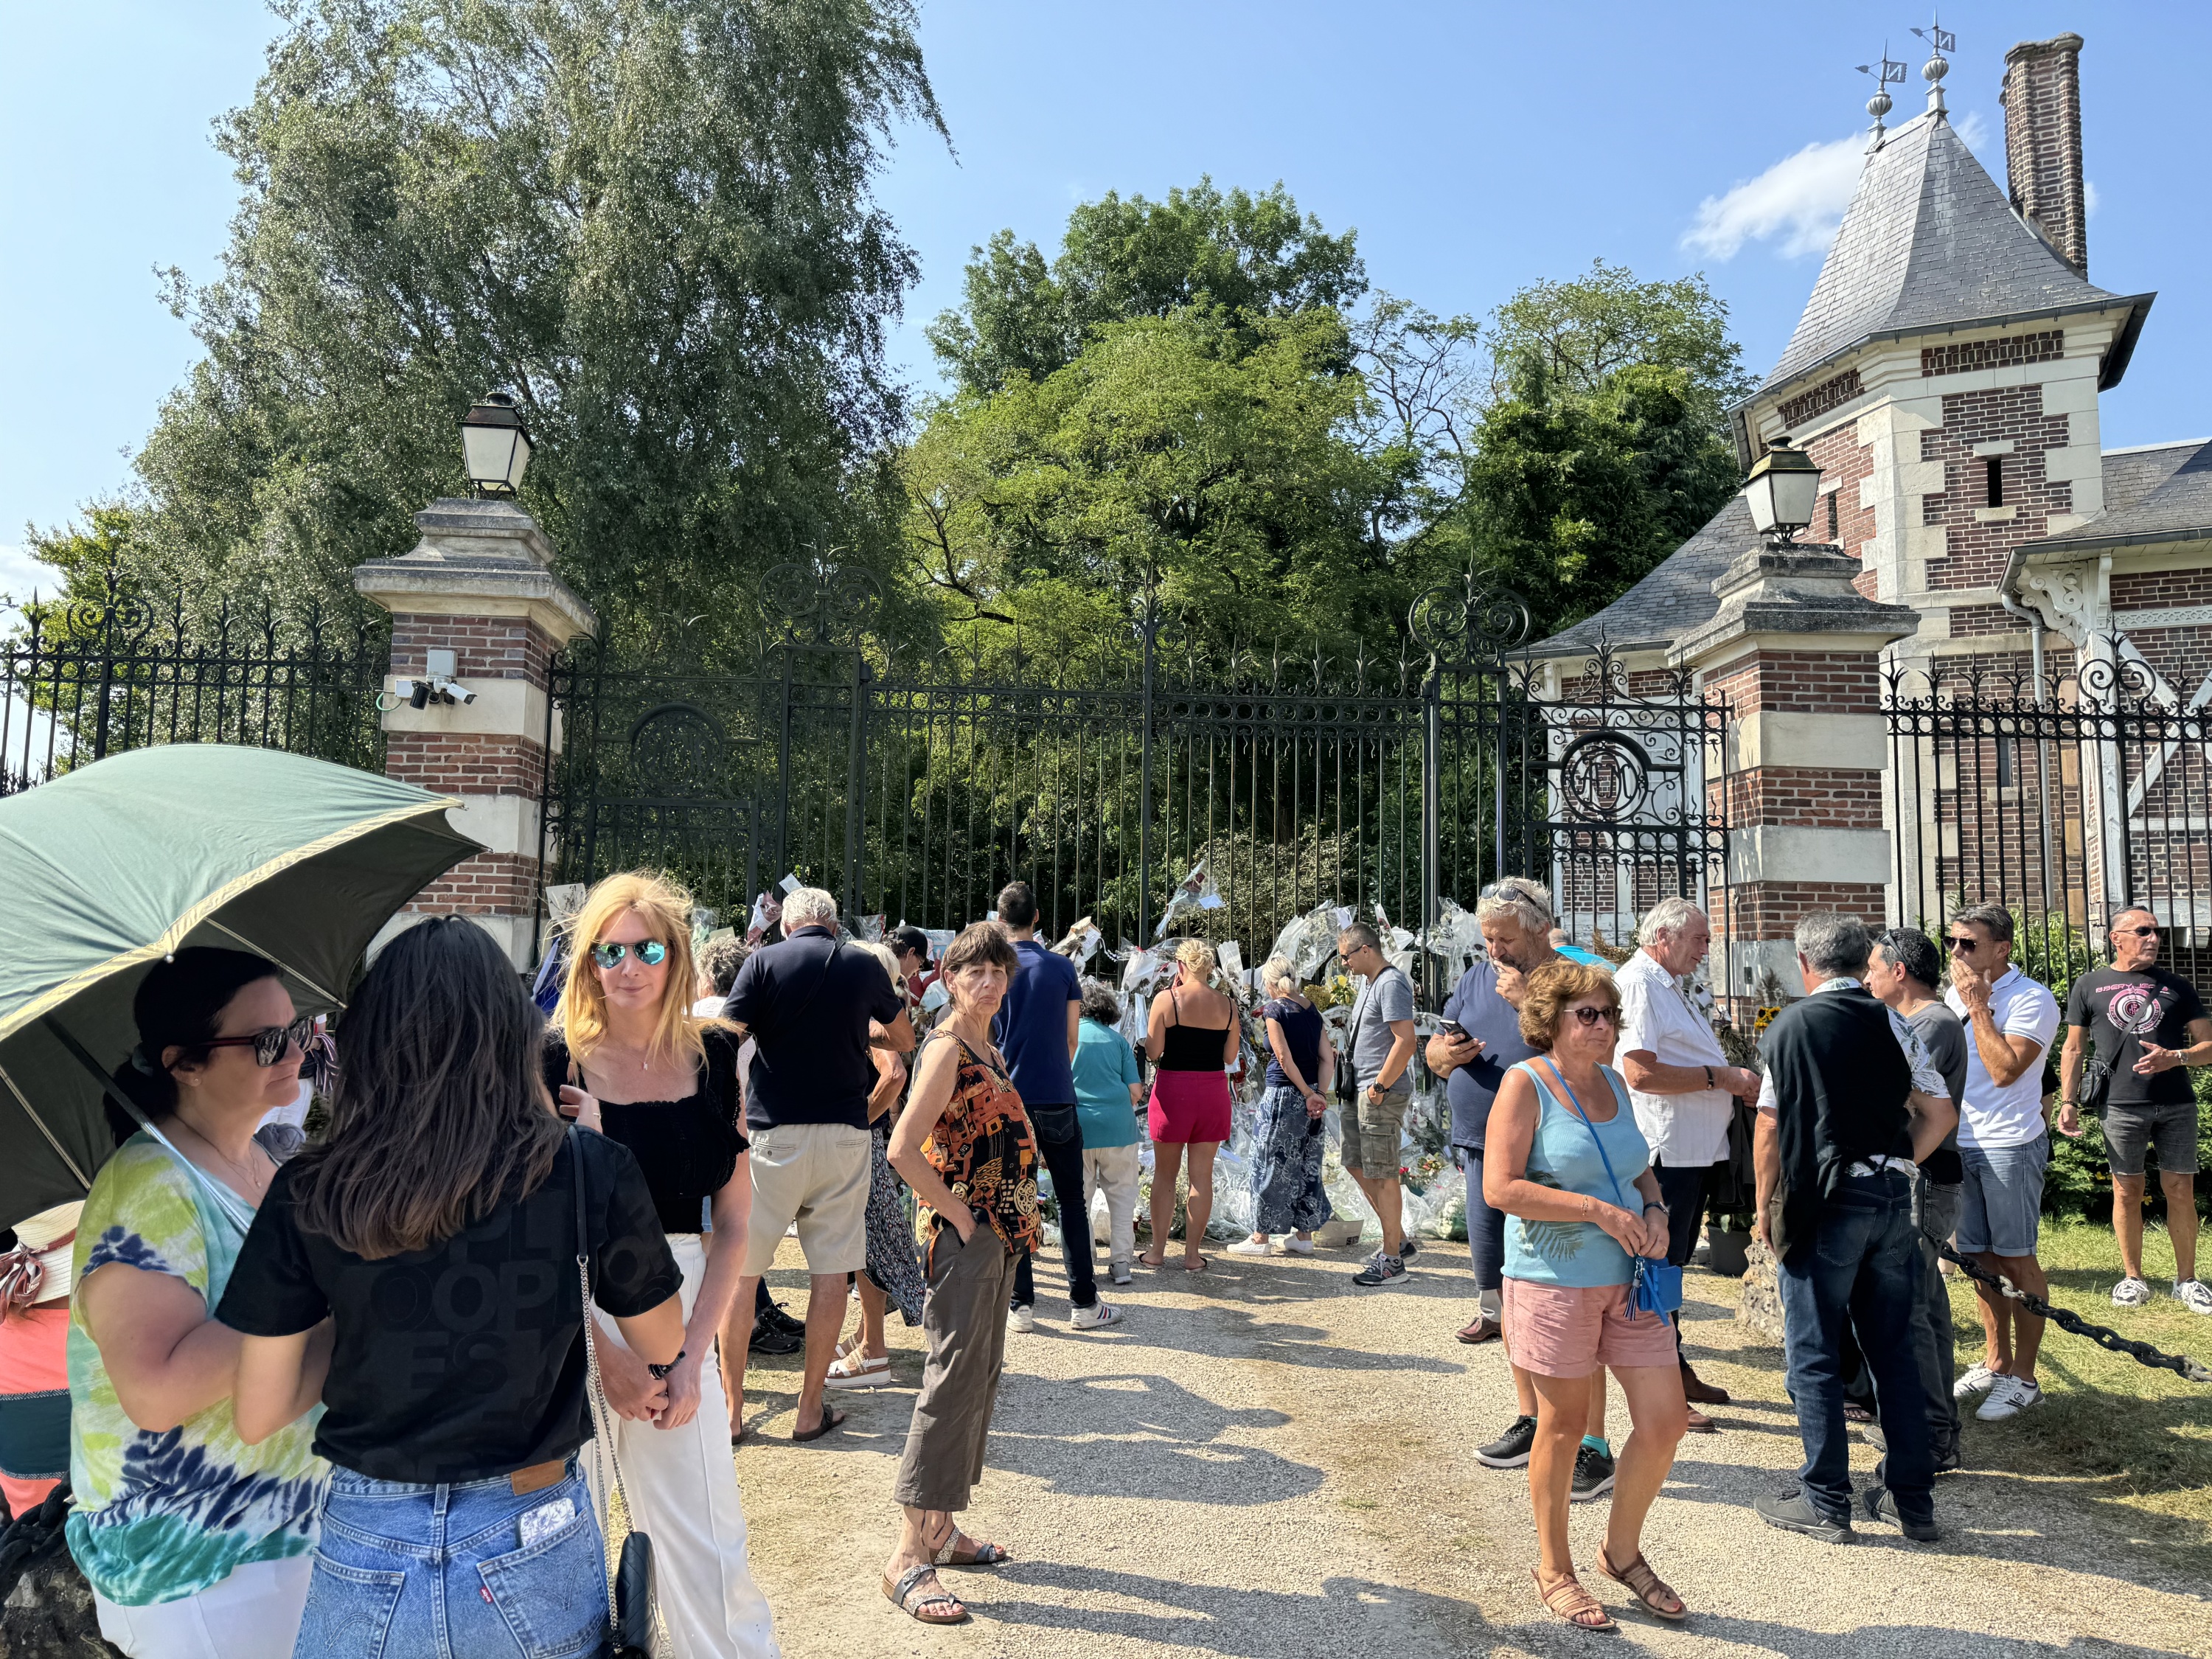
x=1566 y=1162
x=195 y=1539
x=964 y=1145
x=438 y=1225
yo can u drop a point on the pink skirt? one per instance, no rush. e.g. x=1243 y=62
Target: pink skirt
x=1189 y=1106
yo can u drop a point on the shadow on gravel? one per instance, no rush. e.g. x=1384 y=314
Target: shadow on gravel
x=1154 y=1438
x=1878 y=1641
x=1345 y=1615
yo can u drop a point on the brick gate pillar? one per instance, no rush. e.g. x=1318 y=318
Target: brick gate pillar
x=477 y=602
x=1796 y=649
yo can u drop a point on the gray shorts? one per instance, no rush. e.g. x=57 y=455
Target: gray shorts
x=2131 y=1130
x=2001 y=1201
x=1373 y=1134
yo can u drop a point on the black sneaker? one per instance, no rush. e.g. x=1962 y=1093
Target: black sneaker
x=776 y=1320
x=1881 y=1505
x=1593 y=1475
x=1408 y=1248
x=1381 y=1269
x=1793 y=1512
x=1511 y=1449
x=1945 y=1450
x=766 y=1340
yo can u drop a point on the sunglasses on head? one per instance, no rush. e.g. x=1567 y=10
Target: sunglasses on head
x=1587 y=1015
x=652 y=953
x=270 y=1045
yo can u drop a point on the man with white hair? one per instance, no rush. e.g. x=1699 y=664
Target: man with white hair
x=1682 y=1086
x=813 y=1010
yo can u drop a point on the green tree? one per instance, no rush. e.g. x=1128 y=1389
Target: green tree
x=1572 y=497
x=652 y=220
x=1585 y=331
x=1250 y=256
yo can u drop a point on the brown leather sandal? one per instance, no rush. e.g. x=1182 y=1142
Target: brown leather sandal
x=1646 y=1585
x=959 y=1550
x=1570 y=1604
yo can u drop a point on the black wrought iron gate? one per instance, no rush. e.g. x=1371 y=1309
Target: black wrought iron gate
x=915 y=789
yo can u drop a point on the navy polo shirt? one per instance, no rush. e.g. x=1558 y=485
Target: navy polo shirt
x=1031 y=1028
x=807 y=1005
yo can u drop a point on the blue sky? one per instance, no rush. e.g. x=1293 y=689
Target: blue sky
x=1474 y=147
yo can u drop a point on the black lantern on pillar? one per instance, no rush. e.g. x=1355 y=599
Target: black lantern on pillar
x=495 y=445
x=1784 y=484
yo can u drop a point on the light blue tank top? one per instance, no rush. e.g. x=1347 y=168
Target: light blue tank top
x=1564 y=1154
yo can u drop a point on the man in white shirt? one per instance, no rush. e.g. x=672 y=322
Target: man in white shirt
x=2004 y=1145
x=1682 y=1086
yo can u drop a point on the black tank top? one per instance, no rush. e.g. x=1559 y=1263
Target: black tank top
x=1190 y=1048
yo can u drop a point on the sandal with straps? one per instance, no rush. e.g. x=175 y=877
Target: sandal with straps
x=1646 y=1585
x=951 y=1553
x=1570 y=1604
x=903 y=1596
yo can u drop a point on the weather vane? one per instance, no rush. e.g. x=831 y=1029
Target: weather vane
x=1886 y=72
x=1940 y=40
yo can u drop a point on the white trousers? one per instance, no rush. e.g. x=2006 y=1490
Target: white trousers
x=682 y=1488
x=1112 y=1171
x=252 y=1615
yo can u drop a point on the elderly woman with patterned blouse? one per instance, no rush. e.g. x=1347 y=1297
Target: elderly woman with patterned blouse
x=965 y=1145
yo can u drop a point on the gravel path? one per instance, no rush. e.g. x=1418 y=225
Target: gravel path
x=1264 y=1462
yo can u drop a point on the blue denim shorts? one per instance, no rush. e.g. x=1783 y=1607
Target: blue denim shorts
x=441 y=1573
x=2002 y=1199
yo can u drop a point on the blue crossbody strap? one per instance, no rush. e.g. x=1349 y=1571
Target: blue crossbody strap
x=1657 y=1287
x=1576 y=1107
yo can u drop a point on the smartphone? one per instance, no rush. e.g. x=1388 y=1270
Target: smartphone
x=1452 y=1029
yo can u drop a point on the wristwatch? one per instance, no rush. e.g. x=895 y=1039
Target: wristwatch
x=660 y=1372
x=1709 y=1084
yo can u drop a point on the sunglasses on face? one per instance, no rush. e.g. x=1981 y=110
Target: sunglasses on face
x=651 y=954
x=1592 y=1016
x=270 y=1045
x=1964 y=947
x=2139 y=932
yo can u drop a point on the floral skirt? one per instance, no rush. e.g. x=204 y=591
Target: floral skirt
x=1286 y=1190
x=894 y=1259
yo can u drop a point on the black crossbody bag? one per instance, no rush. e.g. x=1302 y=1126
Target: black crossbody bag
x=630 y=1591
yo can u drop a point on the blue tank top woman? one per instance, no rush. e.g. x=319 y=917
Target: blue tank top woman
x=1564 y=1154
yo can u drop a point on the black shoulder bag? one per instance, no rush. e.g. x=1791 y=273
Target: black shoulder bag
x=630 y=1592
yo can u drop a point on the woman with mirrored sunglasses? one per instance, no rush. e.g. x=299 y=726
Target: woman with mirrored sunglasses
x=195 y=1543
x=630 y=1058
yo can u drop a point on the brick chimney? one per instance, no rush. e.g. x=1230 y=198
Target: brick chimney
x=2042 y=99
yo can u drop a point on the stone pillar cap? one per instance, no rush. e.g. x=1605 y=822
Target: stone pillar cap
x=478 y=557
x=1803 y=589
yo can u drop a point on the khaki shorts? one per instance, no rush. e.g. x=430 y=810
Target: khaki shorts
x=816 y=1174
x=1371 y=1136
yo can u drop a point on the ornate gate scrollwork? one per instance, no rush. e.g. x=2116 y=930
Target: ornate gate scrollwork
x=678 y=749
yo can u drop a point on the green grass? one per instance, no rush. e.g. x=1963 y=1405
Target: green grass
x=2117 y=1432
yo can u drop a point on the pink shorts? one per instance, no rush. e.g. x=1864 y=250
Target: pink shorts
x=1565 y=1330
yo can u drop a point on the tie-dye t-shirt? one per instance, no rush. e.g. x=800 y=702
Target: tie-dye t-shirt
x=163 y=1515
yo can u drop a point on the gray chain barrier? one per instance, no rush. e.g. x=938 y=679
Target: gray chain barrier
x=2141 y=1352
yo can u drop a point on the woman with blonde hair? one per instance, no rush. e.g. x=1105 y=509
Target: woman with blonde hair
x=1191 y=1038
x=894 y=1269
x=1566 y=1162
x=1286 y=1190
x=626 y=1056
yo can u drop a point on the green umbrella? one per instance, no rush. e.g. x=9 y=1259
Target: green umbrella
x=109 y=868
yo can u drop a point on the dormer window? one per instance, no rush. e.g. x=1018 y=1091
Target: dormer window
x=1996 y=466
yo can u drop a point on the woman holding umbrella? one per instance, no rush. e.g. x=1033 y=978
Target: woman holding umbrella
x=195 y=1542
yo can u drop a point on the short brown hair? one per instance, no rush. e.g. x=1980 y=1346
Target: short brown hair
x=980 y=941
x=1552 y=989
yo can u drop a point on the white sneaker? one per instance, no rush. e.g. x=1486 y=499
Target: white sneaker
x=2008 y=1397
x=1023 y=1319
x=2132 y=1293
x=1095 y=1317
x=1976 y=1379
x=1296 y=1246
x=2194 y=1295
x=1120 y=1272
x=1252 y=1247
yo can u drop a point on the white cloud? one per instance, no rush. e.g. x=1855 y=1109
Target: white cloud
x=2089 y=197
x=20 y=575
x=1974 y=132
x=1799 y=200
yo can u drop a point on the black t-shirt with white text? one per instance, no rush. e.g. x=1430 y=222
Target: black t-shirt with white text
x=2123 y=1007
x=465 y=1360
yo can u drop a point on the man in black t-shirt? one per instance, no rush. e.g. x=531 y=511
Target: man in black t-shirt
x=2146 y=1024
